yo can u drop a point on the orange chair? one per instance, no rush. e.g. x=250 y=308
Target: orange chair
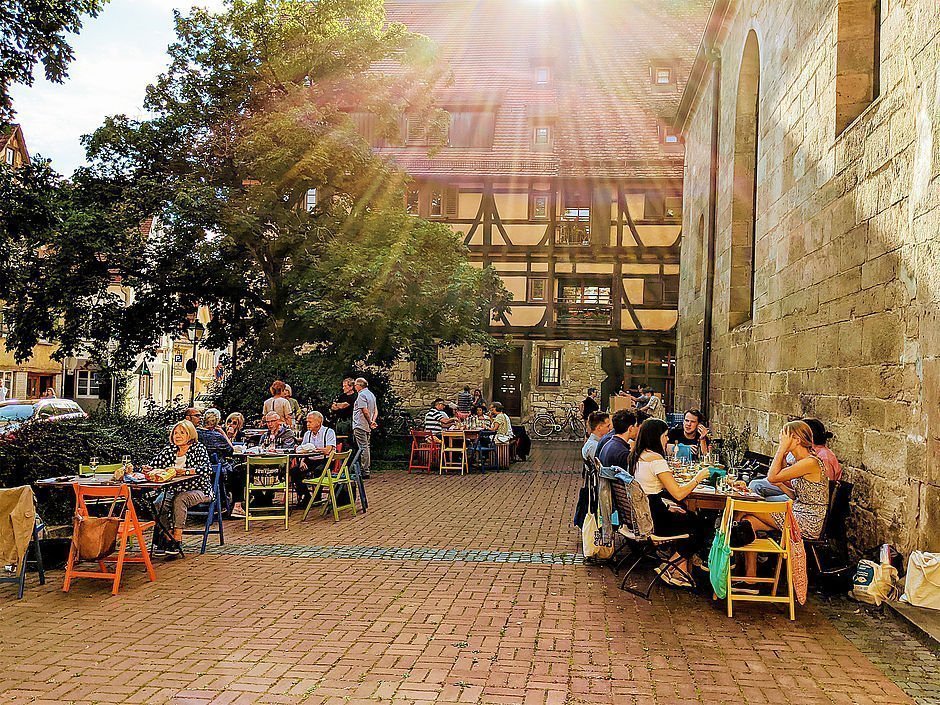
x=130 y=528
x=424 y=451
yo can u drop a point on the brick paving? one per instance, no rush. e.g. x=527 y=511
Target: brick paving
x=451 y=590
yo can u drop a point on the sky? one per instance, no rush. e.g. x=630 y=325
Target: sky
x=117 y=55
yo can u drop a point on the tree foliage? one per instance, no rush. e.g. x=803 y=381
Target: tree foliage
x=254 y=111
x=34 y=31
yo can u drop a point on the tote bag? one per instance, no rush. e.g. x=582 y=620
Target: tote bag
x=589 y=546
x=922 y=588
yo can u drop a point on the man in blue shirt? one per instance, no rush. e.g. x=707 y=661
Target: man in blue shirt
x=599 y=424
x=616 y=451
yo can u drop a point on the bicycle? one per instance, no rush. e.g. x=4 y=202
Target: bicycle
x=546 y=424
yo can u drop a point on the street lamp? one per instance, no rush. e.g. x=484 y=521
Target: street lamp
x=195 y=331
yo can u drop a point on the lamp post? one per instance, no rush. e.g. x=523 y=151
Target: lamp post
x=195 y=332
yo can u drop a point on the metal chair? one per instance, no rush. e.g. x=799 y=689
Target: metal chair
x=212 y=510
x=20 y=578
x=484 y=451
x=267 y=474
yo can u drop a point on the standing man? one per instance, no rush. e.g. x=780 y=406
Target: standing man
x=464 y=400
x=342 y=409
x=588 y=407
x=365 y=415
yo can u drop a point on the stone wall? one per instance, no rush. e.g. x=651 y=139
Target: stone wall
x=847 y=283
x=580 y=369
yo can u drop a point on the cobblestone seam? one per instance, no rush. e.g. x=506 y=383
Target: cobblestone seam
x=395 y=554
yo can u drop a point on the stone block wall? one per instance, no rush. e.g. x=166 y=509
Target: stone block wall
x=847 y=282
x=462 y=365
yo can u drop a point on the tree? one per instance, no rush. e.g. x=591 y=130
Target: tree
x=256 y=110
x=34 y=31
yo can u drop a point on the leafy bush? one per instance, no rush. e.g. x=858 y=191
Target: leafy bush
x=41 y=450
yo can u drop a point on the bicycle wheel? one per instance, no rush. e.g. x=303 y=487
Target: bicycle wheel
x=543 y=426
x=577 y=427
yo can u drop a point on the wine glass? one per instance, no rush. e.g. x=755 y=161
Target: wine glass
x=93 y=464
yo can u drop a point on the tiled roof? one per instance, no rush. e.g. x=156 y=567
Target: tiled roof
x=603 y=107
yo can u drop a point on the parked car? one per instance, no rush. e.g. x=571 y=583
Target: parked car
x=15 y=412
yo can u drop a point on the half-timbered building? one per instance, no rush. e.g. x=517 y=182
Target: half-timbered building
x=560 y=171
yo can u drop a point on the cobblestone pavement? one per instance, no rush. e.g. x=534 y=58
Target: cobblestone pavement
x=450 y=589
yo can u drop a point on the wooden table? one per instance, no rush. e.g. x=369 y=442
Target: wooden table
x=706 y=497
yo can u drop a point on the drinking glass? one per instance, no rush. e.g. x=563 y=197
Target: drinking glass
x=93 y=464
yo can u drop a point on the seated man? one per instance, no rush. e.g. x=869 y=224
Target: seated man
x=598 y=425
x=279 y=435
x=616 y=451
x=692 y=435
x=318 y=442
x=436 y=420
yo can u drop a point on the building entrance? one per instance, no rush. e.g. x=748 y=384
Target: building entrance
x=507 y=381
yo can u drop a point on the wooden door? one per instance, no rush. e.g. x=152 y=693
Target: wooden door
x=507 y=381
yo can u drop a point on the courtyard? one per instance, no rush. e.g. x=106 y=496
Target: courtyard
x=450 y=589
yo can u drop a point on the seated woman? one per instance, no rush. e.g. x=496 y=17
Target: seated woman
x=212 y=437
x=478 y=420
x=234 y=424
x=183 y=451
x=809 y=482
x=477 y=402
x=501 y=423
x=647 y=463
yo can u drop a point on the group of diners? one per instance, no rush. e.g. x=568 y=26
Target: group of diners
x=478 y=416
x=800 y=471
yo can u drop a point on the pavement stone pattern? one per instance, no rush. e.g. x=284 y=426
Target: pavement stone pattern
x=417 y=601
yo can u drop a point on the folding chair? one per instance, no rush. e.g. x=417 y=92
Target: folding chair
x=764 y=545
x=453 y=451
x=356 y=467
x=424 y=450
x=25 y=502
x=636 y=528
x=335 y=474
x=130 y=528
x=484 y=451
x=267 y=474
x=213 y=512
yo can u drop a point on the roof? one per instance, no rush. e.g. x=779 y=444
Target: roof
x=605 y=111
x=12 y=135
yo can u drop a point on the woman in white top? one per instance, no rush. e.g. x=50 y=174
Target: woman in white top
x=649 y=467
x=279 y=403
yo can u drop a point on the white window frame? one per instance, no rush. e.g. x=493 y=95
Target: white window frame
x=541 y=71
x=9 y=156
x=548 y=135
x=657 y=75
x=8 y=376
x=84 y=389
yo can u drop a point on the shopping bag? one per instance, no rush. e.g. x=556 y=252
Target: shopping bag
x=922 y=586
x=797 y=560
x=719 y=563
x=589 y=546
x=874 y=583
x=95 y=538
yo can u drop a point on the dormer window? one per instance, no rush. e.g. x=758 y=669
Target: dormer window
x=542 y=136
x=668 y=136
x=662 y=75
x=543 y=75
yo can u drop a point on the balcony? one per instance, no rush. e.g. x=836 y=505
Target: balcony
x=584 y=315
x=573 y=233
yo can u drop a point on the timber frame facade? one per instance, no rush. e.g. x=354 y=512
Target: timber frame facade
x=561 y=172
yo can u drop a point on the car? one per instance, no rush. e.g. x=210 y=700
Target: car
x=15 y=412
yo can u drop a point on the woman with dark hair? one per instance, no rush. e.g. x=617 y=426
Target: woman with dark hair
x=821 y=439
x=647 y=463
x=477 y=402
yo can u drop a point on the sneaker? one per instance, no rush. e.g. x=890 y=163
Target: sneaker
x=676 y=579
x=238 y=514
x=158 y=552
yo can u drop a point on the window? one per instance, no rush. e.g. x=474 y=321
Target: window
x=472 y=129
x=549 y=367
x=416 y=132
x=427 y=363
x=540 y=206
x=858 y=59
x=7 y=377
x=575 y=225
x=584 y=302
x=9 y=156
x=662 y=75
x=311 y=200
x=412 y=201
x=667 y=135
x=663 y=291
x=537 y=289
x=673 y=206
x=86 y=384
x=654 y=207
x=542 y=136
x=437 y=204
x=543 y=75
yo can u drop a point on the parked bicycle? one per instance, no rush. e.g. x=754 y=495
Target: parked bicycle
x=546 y=423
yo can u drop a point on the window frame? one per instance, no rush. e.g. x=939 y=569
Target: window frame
x=420 y=375
x=655 y=71
x=536 y=129
x=548 y=75
x=545 y=355
x=439 y=194
x=533 y=205
x=416 y=193
x=9 y=156
x=310 y=207
x=84 y=391
x=530 y=292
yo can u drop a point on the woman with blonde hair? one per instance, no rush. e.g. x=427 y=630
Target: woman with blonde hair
x=183 y=451
x=807 y=476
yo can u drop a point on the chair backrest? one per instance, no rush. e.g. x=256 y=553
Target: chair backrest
x=216 y=475
x=840 y=495
x=100 y=470
x=267 y=461
x=340 y=461
x=119 y=494
x=633 y=507
x=453 y=439
x=747 y=506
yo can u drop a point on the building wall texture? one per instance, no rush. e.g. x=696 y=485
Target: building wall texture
x=847 y=279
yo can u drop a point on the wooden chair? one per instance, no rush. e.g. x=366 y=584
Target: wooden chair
x=130 y=528
x=335 y=474
x=267 y=474
x=213 y=512
x=424 y=451
x=453 y=451
x=20 y=578
x=764 y=545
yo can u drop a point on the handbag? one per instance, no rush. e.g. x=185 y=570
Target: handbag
x=741 y=534
x=874 y=583
x=589 y=546
x=922 y=586
x=95 y=538
x=798 y=560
